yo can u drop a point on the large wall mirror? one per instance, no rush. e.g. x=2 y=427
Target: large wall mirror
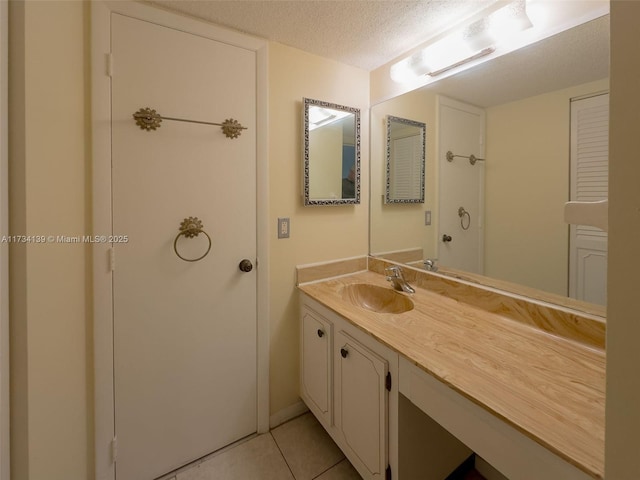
x=331 y=154
x=406 y=140
x=526 y=96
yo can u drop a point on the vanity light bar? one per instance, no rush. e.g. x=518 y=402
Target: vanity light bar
x=319 y=117
x=464 y=45
x=480 y=54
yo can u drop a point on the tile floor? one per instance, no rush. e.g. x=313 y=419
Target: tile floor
x=297 y=450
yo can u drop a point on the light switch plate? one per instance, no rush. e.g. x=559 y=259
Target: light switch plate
x=283 y=227
x=427 y=217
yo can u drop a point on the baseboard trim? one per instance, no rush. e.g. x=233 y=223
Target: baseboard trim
x=287 y=413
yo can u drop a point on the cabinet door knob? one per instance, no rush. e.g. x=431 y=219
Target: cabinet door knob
x=344 y=352
x=446 y=238
x=320 y=333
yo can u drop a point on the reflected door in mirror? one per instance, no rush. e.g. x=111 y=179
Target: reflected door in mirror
x=461 y=192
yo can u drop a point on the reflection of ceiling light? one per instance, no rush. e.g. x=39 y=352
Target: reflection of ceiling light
x=319 y=116
x=477 y=39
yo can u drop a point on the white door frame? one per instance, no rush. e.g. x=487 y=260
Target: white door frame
x=4 y=247
x=102 y=211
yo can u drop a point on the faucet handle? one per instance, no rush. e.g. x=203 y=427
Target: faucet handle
x=394 y=270
x=396 y=277
x=391 y=273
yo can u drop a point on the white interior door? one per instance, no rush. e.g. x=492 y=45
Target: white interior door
x=589 y=183
x=460 y=238
x=184 y=332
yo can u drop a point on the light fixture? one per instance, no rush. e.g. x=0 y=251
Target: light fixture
x=463 y=45
x=319 y=117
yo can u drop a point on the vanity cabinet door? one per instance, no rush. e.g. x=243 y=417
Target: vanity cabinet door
x=315 y=371
x=361 y=404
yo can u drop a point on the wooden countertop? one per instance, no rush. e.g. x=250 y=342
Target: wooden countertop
x=550 y=388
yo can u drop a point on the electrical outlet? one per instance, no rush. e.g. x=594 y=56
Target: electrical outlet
x=283 y=228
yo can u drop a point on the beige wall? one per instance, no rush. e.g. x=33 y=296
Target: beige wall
x=50 y=283
x=623 y=317
x=526 y=185
x=317 y=233
x=401 y=226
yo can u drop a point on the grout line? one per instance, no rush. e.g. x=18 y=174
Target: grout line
x=285 y=458
x=173 y=475
x=282 y=454
x=332 y=466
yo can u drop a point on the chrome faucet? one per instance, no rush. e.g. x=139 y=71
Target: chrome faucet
x=431 y=265
x=396 y=277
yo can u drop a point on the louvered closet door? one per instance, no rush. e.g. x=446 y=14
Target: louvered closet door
x=589 y=183
x=406 y=167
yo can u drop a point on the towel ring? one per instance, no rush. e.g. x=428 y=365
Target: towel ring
x=191 y=227
x=462 y=213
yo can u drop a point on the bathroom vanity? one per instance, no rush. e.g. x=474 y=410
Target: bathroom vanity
x=518 y=382
x=347 y=381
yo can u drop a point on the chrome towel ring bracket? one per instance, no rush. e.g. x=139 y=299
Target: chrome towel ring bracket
x=148 y=119
x=462 y=213
x=191 y=227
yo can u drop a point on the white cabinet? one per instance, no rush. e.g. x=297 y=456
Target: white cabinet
x=346 y=380
x=361 y=403
x=315 y=367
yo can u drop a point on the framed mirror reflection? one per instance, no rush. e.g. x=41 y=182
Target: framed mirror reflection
x=405 y=170
x=331 y=153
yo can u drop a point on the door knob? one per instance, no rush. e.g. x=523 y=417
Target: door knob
x=344 y=352
x=446 y=238
x=320 y=333
x=245 y=265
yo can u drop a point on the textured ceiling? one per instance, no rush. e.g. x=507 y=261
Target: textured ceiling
x=370 y=33
x=362 y=33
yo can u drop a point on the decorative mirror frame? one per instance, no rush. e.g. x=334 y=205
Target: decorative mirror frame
x=411 y=123
x=308 y=102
